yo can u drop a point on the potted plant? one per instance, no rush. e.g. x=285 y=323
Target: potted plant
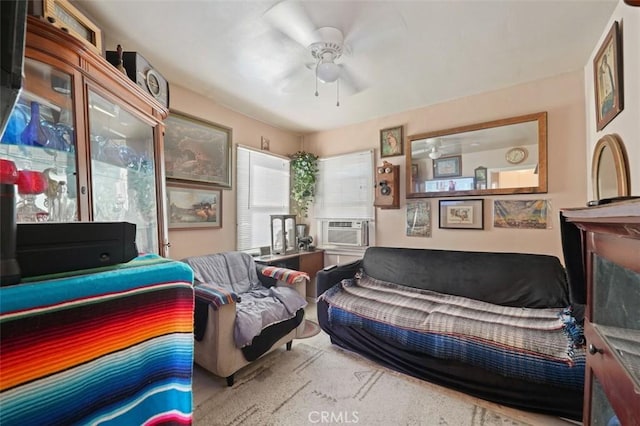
x=304 y=166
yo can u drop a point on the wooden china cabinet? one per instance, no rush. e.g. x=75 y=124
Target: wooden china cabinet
x=91 y=135
x=611 y=248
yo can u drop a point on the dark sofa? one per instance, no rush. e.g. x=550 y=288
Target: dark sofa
x=507 y=279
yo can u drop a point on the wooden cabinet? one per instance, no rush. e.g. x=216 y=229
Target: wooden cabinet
x=611 y=249
x=306 y=261
x=90 y=135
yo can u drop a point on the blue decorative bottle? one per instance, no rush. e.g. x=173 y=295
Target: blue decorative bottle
x=34 y=134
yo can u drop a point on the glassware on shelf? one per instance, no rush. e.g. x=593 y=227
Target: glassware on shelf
x=30 y=183
x=8 y=172
x=15 y=126
x=34 y=134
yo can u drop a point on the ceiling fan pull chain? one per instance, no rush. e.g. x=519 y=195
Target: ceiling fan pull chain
x=338 y=92
x=317 y=63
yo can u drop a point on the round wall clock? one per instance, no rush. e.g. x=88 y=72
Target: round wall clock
x=153 y=83
x=516 y=155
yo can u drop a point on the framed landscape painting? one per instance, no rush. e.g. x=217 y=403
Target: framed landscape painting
x=194 y=207
x=197 y=151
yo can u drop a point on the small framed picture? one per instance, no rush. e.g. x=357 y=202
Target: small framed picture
x=415 y=171
x=391 y=142
x=447 y=167
x=480 y=176
x=462 y=214
x=607 y=75
x=264 y=144
x=192 y=206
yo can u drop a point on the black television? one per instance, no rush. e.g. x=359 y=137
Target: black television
x=13 y=23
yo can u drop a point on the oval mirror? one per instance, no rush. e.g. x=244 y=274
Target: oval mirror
x=507 y=156
x=609 y=169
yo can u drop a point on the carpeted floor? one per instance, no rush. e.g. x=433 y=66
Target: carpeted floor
x=320 y=383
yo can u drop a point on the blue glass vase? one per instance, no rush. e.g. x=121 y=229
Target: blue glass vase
x=34 y=134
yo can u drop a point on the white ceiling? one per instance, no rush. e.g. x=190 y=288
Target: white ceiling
x=403 y=54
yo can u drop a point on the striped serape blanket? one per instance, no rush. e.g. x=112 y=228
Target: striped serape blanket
x=541 y=345
x=215 y=295
x=289 y=276
x=113 y=347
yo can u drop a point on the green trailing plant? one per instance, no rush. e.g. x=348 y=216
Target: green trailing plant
x=304 y=167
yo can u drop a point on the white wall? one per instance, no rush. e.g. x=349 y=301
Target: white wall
x=627 y=123
x=563 y=99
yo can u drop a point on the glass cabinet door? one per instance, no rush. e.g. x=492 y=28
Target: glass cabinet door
x=122 y=170
x=40 y=142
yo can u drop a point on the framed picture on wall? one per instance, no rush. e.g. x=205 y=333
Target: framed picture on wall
x=197 y=151
x=391 y=142
x=462 y=214
x=607 y=75
x=447 y=167
x=192 y=206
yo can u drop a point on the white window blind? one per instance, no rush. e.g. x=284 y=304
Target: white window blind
x=262 y=189
x=345 y=186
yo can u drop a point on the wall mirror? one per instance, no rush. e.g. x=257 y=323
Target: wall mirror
x=609 y=168
x=507 y=156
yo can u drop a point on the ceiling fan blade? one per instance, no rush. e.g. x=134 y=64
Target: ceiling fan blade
x=290 y=18
x=366 y=34
x=349 y=83
x=295 y=80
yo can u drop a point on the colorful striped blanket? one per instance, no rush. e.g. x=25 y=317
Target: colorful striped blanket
x=110 y=347
x=543 y=345
x=289 y=276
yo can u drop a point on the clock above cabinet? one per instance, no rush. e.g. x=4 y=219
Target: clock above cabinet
x=507 y=156
x=143 y=74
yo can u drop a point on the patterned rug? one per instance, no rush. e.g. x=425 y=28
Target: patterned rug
x=309 y=385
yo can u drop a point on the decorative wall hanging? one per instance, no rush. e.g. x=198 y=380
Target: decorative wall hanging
x=196 y=150
x=391 y=142
x=462 y=214
x=194 y=206
x=447 y=167
x=607 y=73
x=418 y=218
x=521 y=214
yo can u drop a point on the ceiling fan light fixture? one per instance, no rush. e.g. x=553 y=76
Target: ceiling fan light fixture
x=435 y=154
x=328 y=72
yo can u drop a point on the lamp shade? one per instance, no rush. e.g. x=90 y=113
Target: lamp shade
x=328 y=72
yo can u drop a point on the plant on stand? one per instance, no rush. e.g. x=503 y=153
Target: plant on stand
x=304 y=166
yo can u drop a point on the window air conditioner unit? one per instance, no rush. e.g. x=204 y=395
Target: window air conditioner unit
x=353 y=233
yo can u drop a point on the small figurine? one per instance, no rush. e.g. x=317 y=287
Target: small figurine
x=120 y=65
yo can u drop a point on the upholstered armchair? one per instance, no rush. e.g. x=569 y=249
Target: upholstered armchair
x=237 y=298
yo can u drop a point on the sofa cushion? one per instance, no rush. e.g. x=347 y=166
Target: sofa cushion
x=509 y=279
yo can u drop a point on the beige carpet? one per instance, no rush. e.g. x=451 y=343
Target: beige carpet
x=327 y=385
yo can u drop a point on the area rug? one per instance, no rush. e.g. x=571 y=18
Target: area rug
x=308 y=385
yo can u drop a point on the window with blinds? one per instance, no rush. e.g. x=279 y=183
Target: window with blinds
x=344 y=187
x=262 y=189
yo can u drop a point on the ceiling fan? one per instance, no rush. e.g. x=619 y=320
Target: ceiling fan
x=327 y=55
